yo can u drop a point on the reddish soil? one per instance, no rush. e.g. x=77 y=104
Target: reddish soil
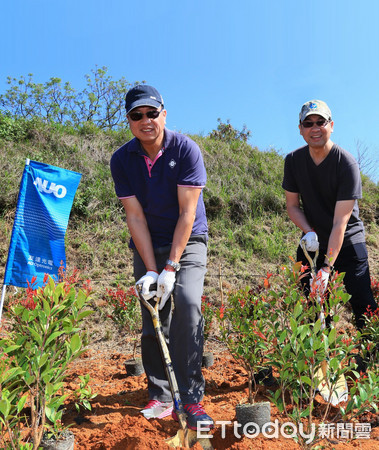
x=115 y=421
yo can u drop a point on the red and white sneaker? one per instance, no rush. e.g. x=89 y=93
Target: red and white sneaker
x=195 y=414
x=157 y=410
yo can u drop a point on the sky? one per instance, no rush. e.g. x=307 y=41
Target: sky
x=251 y=62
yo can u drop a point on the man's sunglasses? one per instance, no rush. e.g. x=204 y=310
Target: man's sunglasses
x=320 y=123
x=136 y=116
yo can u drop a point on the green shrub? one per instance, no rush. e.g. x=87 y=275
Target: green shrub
x=44 y=338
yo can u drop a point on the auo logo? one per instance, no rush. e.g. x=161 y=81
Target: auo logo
x=57 y=189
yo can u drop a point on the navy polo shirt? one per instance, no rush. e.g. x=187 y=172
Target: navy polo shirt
x=155 y=183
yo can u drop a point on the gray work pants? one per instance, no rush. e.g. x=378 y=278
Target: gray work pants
x=182 y=326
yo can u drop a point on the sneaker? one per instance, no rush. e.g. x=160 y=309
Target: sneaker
x=195 y=413
x=157 y=410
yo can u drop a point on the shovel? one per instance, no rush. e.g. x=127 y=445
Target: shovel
x=340 y=392
x=185 y=437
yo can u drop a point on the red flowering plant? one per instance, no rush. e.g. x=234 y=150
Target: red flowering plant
x=242 y=326
x=375 y=289
x=369 y=339
x=309 y=357
x=125 y=312
x=45 y=336
x=364 y=389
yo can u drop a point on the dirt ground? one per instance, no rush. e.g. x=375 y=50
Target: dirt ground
x=115 y=421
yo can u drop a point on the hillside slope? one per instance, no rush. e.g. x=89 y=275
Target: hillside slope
x=250 y=232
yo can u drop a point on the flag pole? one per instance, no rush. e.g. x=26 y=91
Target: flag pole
x=27 y=162
x=2 y=299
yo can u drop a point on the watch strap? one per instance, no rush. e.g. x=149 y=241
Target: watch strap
x=173 y=264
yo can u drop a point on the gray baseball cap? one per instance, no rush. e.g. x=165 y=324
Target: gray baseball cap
x=315 y=107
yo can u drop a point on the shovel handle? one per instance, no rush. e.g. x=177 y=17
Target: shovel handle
x=151 y=304
x=165 y=355
x=312 y=262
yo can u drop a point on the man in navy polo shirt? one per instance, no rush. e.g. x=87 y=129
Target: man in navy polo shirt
x=159 y=176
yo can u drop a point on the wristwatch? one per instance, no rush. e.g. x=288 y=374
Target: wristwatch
x=173 y=264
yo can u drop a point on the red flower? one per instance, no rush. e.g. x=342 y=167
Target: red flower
x=258 y=333
x=266 y=282
x=346 y=341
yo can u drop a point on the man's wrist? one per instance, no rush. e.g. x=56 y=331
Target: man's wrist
x=169 y=268
x=326 y=267
x=174 y=265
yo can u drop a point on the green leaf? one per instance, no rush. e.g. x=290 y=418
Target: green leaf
x=317 y=326
x=75 y=343
x=301 y=365
x=43 y=359
x=305 y=413
x=283 y=336
x=21 y=403
x=26 y=315
x=46 y=307
x=334 y=364
x=363 y=394
x=11 y=348
x=35 y=335
x=5 y=407
x=298 y=310
x=306 y=380
x=84 y=314
x=53 y=336
x=332 y=335
x=87 y=404
x=81 y=299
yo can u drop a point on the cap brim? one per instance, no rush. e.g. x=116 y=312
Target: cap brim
x=310 y=113
x=144 y=102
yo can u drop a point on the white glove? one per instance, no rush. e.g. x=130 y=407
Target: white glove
x=146 y=281
x=321 y=281
x=166 y=281
x=311 y=241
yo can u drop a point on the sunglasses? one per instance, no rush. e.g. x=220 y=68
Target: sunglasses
x=320 y=123
x=136 y=116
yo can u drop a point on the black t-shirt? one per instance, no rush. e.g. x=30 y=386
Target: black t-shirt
x=320 y=187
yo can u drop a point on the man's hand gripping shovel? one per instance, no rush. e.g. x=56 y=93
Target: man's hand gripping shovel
x=185 y=437
x=339 y=393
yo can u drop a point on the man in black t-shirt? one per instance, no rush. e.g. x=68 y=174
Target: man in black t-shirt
x=322 y=183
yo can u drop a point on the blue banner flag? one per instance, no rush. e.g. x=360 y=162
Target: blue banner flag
x=37 y=244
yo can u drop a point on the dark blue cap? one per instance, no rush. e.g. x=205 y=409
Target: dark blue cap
x=142 y=95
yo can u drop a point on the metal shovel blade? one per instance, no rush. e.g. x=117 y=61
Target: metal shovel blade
x=338 y=394
x=192 y=439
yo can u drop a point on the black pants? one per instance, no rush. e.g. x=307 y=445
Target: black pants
x=353 y=261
